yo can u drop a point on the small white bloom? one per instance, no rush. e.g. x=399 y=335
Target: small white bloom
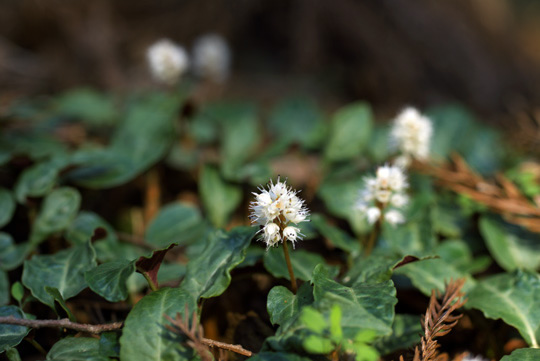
x=399 y=200
x=212 y=58
x=167 y=61
x=383 y=195
x=411 y=133
x=271 y=234
x=394 y=217
x=291 y=233
x=373 y=214
x=276 y=208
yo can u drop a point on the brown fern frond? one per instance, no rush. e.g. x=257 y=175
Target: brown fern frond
x=439 y=321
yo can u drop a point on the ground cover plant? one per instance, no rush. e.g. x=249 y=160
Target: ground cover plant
x=153 y=226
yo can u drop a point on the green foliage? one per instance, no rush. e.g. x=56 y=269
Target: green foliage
x=64 y=271
x=349 y=132
x=76 y=349
x=512 y=297
x=523 y=354
x=83 y=215
x=511 y=246
x=219 y=197
x=11 y=335
x=144 y=336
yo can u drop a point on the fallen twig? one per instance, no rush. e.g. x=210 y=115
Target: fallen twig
x=62 y=323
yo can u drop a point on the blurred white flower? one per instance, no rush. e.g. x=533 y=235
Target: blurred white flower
x=167 y=61
x=212 y=58
x=470 y=357
x=373 y=214
x=383 y=195
x=394 y=217
x=276 y=208
x=411 y=135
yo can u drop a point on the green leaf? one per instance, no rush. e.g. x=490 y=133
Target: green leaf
x=12 y=354
x=84 y=225
x=523 y=354
x=335 y=323
x=208 y=275
x=335 y=235
x=143 y=138
x=350 y=132
x=144 y=336
x=109 y=344
x=278 y=356
x=57 y=212
x=17 y=291
x=7 y=206
x=37 y=181
x=76 y=349
x=55 y=294
x=219 y=198
x=240 y=134
x=511 y=246
x=284 y=307
x=378 y=267
x=88 y=105
x=318 y=344
x=303 y=263
x=296 y=120
x=406 y=331
x=11 y=255
x=313 y=320
x=364 y=306
x=4 y=288
x=433 y=273
x=414 y=238
x=179 y=223
x=63 y=270
x=514 y=297
x=11 y=335
x=109 y=279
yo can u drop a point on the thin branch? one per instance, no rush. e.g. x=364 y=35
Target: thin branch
x=227 y=346
x=62 y=323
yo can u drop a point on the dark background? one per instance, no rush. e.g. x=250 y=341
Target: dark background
x=484 y=53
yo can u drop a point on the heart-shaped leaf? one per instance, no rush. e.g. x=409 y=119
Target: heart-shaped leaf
x=63 y=270
x=109 y=279
x=76 y=349
x=208 y=275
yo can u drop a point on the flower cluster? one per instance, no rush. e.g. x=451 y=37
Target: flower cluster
x=211 y=58
x=167 y=61
x=411 y=135
x=384 y=195
x=275 y=209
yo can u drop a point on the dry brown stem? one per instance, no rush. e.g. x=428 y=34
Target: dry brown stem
x=502 y=197
x=196 y=339
x=63 y=323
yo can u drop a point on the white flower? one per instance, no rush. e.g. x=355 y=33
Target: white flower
x=383 y=195
x=167 y=61
x=411 y=134
x=276 y=208
x=290 y=233
x=212 y=58
x=470 y=357
x=373 y=214
x=394 y=217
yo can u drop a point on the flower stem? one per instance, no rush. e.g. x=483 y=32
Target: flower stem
x=289 y=267
x=372 y=237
